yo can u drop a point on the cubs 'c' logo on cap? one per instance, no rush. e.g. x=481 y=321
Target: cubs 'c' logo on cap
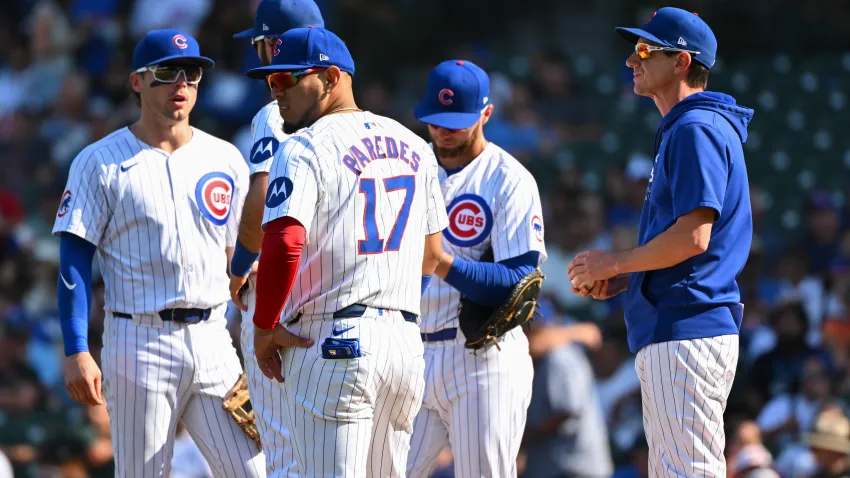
x=537 y=228
x=279 y=190
x=264 y=149
x=180 y=42
x=276 y=49
x=65 y=203
x=445 y=96
x=470 y=221
x=213 y=194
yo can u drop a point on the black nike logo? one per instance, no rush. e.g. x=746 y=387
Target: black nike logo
x=336 y=332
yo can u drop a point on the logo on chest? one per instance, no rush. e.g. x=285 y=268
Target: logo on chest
x=213 y=194
x=470 y=221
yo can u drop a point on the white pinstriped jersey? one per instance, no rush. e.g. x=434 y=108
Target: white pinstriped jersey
x=366 y=190
x=266 y=136
x=161 y=222
x=492 y=201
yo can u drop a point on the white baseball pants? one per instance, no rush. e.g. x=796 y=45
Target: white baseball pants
x=685 y=385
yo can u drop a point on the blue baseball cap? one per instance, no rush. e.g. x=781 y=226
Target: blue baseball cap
x=302 y=48
x=456 y=93
x=677 y=28
x=160 y=46
x=277 y=16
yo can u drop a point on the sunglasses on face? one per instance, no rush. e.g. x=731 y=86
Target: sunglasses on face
x=643 y=50
x=287 y=79
x=260 y=38
x=170 y=74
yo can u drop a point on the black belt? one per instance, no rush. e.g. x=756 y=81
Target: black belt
x=186 y=316
x=440 y=335
x=357 y=310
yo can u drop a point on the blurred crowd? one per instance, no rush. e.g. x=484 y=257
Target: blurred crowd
x=63 y=84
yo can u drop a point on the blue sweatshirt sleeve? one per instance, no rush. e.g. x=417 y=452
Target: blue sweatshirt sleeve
x=490 y=283
x=698 y=170
x=74 y=291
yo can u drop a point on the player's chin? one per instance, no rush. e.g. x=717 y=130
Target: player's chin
x=640 y=89
x=179 y=110
x=289 y=115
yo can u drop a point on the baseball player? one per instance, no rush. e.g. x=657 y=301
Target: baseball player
x=475 y=402
x=352 y=213
x=159 y=201
x=272 y=19
x=682 y=301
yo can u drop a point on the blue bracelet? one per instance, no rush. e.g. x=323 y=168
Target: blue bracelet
x=242 y=261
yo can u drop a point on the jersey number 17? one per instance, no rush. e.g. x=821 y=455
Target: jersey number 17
x=373 y=244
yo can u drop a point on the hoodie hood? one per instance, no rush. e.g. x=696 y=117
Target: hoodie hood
x=724 y=105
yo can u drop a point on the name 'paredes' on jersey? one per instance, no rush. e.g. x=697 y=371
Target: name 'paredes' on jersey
x=379 y=147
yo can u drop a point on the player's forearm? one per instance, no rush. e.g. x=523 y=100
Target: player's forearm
x=282 y=244
x=489 y=283
x=73 y=291
x=672 y=247
x=250 y=226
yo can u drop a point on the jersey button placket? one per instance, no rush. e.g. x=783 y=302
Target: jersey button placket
x=178 y=194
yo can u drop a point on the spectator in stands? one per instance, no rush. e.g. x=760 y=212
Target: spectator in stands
x=829 y=441
x=787 y=415
x=824 y=220
x=565 y=433
x=775 y=372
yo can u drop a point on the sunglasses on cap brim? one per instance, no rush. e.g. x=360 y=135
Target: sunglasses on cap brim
x=643 y=50
x=287 y=79
x=171 y=73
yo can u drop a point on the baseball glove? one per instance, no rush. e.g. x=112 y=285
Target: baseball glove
x=483 y=326
x=237 y=403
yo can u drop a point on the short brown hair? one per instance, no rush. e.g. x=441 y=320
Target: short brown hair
x=697 y=73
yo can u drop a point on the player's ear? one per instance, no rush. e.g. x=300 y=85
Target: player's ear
x=333 y=75
x=136 y=82
x=486 y=114
x=683 y=62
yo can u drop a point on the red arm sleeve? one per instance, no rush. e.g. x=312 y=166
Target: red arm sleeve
x=281 y=253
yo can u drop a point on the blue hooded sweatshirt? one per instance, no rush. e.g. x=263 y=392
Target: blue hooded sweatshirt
x=699 y=162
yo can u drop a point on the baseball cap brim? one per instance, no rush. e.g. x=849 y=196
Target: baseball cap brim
x=632 y=35
x=449 y=120
x=249 y=33
x=204 y=62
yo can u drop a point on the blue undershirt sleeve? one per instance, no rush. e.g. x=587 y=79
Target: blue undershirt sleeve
x=425 y=281
x=74 y=291
x=490 y=283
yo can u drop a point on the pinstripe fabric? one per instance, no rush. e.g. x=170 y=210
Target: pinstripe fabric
x=328 y=197
x=157 y=246
x=475 y=403
x=478 y=403
x=162 y=223
x=156 y=373
x=354 y=417
x=685 y=385
x=510 y=193
x=266 y=136
x=267 y=398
